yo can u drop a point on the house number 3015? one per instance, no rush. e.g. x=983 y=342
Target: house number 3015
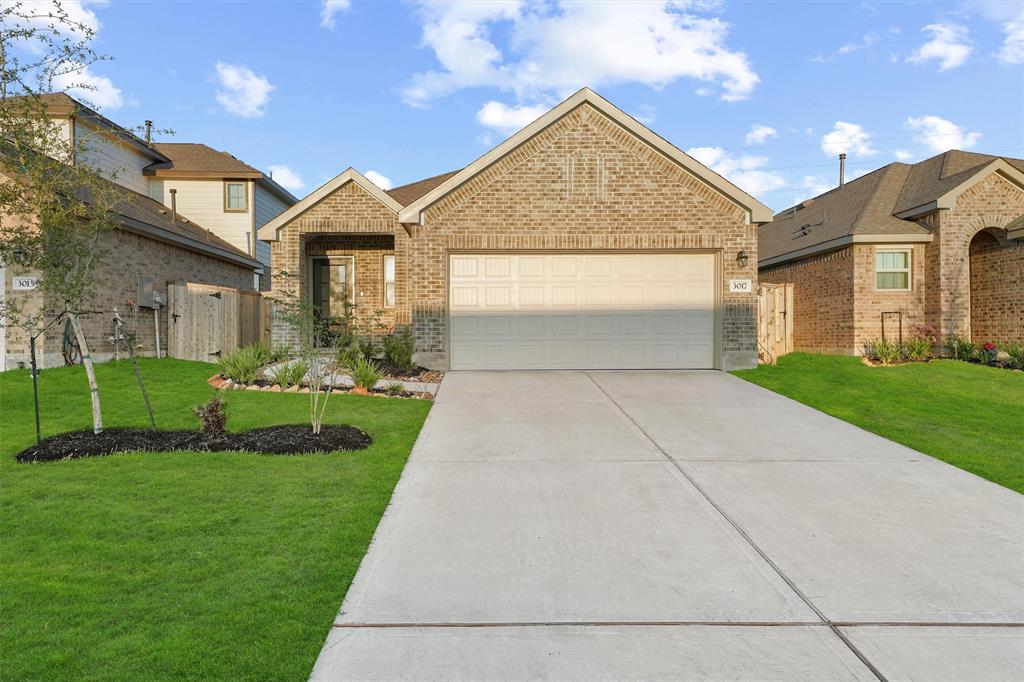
x=24 y=283
x=741 y=286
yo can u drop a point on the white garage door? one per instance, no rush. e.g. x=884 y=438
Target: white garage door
x=582 y=311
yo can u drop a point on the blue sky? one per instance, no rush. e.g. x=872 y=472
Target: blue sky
x=765 y=93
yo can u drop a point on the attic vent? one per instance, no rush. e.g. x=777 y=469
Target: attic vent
x=806 y=204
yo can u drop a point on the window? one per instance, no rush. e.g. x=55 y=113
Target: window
x=892 y=269
x=389 y=281
x=236 y=196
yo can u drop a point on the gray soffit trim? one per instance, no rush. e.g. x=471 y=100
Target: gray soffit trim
x=833 y=244
x=147 y=230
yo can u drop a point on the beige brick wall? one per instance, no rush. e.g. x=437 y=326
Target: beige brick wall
x=823 y=319
x=349 y=221
x=870 y=303
x=992 y=203
x=128 y=256
x=997 y=289
x=838 y=309
x=583 y=183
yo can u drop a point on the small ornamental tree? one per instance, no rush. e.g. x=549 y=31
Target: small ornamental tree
x=318 y=341
x=54 y=207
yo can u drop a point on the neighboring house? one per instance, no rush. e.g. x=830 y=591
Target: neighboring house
x=940 y=242
x=226 y=196
x=151 y=245
x=583 y=241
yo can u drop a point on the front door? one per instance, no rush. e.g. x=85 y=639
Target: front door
x=332 y=287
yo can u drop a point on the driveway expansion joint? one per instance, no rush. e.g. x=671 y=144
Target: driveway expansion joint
x=739 y=529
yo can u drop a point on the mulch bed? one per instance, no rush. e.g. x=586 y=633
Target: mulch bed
x=289 y=439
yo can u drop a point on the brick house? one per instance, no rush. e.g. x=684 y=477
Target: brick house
x=583 y=241
x=940 y=242
x=152 y=242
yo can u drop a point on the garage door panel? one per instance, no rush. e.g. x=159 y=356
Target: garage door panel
x=573 y=311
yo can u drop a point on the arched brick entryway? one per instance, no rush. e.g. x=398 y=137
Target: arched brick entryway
x=997 y=283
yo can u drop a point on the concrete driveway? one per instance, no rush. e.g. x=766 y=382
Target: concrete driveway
x=678 y=525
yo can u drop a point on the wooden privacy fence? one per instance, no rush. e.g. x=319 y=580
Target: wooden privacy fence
x=205 y=321
x=774 y=321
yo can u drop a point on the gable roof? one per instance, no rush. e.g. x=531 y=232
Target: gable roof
x=190 y=158
x=60 y=104
x=406 y=194
x=193 y=160
x=757 y=212
x=269 y=232
x=877 y=207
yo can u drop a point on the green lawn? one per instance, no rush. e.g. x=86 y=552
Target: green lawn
x=182 y=565
x=964 y=414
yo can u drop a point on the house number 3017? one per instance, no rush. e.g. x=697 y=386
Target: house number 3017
x=741 y=286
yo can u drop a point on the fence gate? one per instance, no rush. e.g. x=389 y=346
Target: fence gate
x=204 y=321
x=774 y=321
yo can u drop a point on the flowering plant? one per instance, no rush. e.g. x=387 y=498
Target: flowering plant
x=989 y=351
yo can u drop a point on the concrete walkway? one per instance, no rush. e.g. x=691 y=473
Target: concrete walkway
x=681 y=525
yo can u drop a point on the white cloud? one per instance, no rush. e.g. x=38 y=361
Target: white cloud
x=330 y=9
x=379 y=179
x=1010 y=17
x=938 y=134
x=287 y=178
x=812 y=186
x=552 y=49
x=903 y=154
x=87 y=86
x=508 y=119
x=949 y=46
x=746 y=172
x=867 y=41
x=646 y=114
x=244 y=93
x=847 y=138
x=1012 y=51
x=759 y=133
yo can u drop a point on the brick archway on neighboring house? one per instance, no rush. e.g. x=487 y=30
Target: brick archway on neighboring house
x=997 y=287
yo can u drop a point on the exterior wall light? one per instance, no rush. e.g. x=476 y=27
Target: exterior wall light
x=742 y=258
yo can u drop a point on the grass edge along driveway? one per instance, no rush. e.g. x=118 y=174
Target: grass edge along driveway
x=182 y=565
x=964 y=414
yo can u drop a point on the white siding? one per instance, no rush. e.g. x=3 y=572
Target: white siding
x=112 y=158
x=202 y=201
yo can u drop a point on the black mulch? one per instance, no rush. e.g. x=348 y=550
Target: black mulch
x=289 y=439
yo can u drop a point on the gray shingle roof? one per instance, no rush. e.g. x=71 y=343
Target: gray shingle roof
x=868 y=204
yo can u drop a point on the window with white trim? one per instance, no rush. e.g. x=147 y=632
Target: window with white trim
x=389 y=281
x=892 y=269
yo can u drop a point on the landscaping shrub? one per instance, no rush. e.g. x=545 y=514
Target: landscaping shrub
x=244 y=364
x=916 y=348
x=367 y=349
x=365 y=373
x=988 y=352
x=289 y=373
x=880 y=350
x=1015 y=351
x=394 y=388
x=212 y=418
x=279 y=354
x=398 y=350
x=960 y=348
x=348 y=357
